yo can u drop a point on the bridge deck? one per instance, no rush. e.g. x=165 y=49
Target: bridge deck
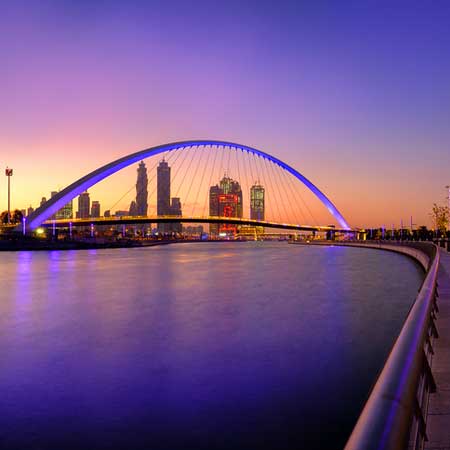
x=438 y=422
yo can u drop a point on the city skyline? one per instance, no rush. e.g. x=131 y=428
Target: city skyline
x=332 y=112
x=225 y=225
x=169 y=206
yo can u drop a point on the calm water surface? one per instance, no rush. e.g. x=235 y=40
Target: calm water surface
x=195 y=346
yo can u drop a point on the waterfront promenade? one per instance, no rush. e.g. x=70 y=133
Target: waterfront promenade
x=375 y=431
x=438 y=421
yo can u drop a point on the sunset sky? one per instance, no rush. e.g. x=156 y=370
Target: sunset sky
x=355 y=95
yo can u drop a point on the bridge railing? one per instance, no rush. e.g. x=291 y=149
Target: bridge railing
x=394 y=416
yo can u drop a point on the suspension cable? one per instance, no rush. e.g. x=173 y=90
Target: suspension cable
x=194 y=176
x=293 y=196
x=201 y=182
x=210 y=180
x=315 y=222
x=185 y=173
x=271 y=186
x=173 y=162
x=283 y=200
x=134 y=184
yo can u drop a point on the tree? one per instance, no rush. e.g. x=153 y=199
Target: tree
x=16 y=217
x=423 y=233
x=440 y=216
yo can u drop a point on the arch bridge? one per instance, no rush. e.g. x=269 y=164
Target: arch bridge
x=42 y=214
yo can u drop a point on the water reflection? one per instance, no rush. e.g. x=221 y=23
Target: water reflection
x=232 y=345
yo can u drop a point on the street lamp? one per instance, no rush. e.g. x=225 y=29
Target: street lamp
x=8 y=173
x=448 y=212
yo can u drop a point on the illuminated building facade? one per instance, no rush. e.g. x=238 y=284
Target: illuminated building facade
x=214 y=192
x=66 y=212
x=225 y=200
x=257 y=202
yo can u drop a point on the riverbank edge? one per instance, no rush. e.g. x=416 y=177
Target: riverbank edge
x=411 y=407
x=12 y=246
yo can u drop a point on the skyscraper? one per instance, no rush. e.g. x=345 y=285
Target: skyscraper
x=163 y=189
x=164 y=206
x=230 y=187
x=95 y=208
x=214 y=192
x=257 y=202
x=141 y=190
x=66 y=212
x=175 y=207
x=225 y=200
x=84 y=203
x=175 y=210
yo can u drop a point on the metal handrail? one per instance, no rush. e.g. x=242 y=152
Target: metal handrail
x=394 y=416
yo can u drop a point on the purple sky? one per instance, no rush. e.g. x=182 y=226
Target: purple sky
x=356 y=97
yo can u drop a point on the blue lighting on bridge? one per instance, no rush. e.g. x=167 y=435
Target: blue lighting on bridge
x=59 y=200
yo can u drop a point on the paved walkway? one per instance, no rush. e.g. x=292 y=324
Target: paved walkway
x=438 y=422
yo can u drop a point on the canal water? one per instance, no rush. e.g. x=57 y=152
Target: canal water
x=195 y=346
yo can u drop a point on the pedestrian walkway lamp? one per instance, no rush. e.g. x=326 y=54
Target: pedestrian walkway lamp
x=448 y=212
x=8 y=173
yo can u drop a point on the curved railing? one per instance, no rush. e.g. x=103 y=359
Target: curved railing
x=394 y=416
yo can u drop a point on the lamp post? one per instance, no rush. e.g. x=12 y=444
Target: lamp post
x=448 y=212
x=8 y=173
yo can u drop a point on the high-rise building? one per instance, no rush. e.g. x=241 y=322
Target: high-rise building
x=30 y=210
x=66 y=212
x=175 y=207
x=257 y=202
x=229 y=186
x=95 y=208
x=141 y=190
x=84 y=204
x=43 y=200
x=133 y=209
x=225 y=200
x=166 y=207
x=175 y=210
x=163 y=189
x=214 y=192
